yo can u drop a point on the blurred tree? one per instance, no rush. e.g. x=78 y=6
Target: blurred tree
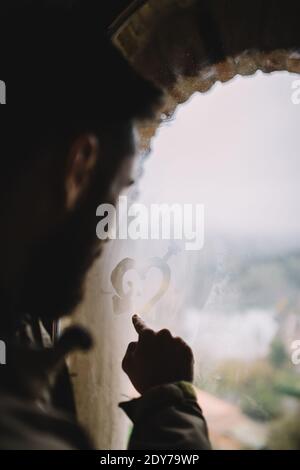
x=285 y=434
x=278 y=355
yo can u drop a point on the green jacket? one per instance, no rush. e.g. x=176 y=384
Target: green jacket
x=167 y=417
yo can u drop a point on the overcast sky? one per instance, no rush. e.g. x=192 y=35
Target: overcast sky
x=235 y=149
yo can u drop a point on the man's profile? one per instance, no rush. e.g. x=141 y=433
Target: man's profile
x=68 y=147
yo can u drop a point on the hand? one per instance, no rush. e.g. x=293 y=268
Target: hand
x=157 y=358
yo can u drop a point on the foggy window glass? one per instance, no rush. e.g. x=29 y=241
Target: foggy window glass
x=236 y=301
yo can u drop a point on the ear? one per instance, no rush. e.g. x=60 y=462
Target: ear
x=82 y=161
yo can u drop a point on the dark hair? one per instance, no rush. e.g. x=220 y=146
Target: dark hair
x=63 y=75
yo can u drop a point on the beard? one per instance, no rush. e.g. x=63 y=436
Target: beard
x=53 y=284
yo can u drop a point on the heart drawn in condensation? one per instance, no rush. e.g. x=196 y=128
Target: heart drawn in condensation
x=123 y=299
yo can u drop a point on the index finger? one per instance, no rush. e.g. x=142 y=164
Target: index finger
x=139 y=325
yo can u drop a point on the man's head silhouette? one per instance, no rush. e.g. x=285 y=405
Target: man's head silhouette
x=67 y=142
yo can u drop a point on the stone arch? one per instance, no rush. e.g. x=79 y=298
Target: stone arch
x=186 y=46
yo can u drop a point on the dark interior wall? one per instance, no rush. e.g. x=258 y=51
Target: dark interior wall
x=108 y=10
